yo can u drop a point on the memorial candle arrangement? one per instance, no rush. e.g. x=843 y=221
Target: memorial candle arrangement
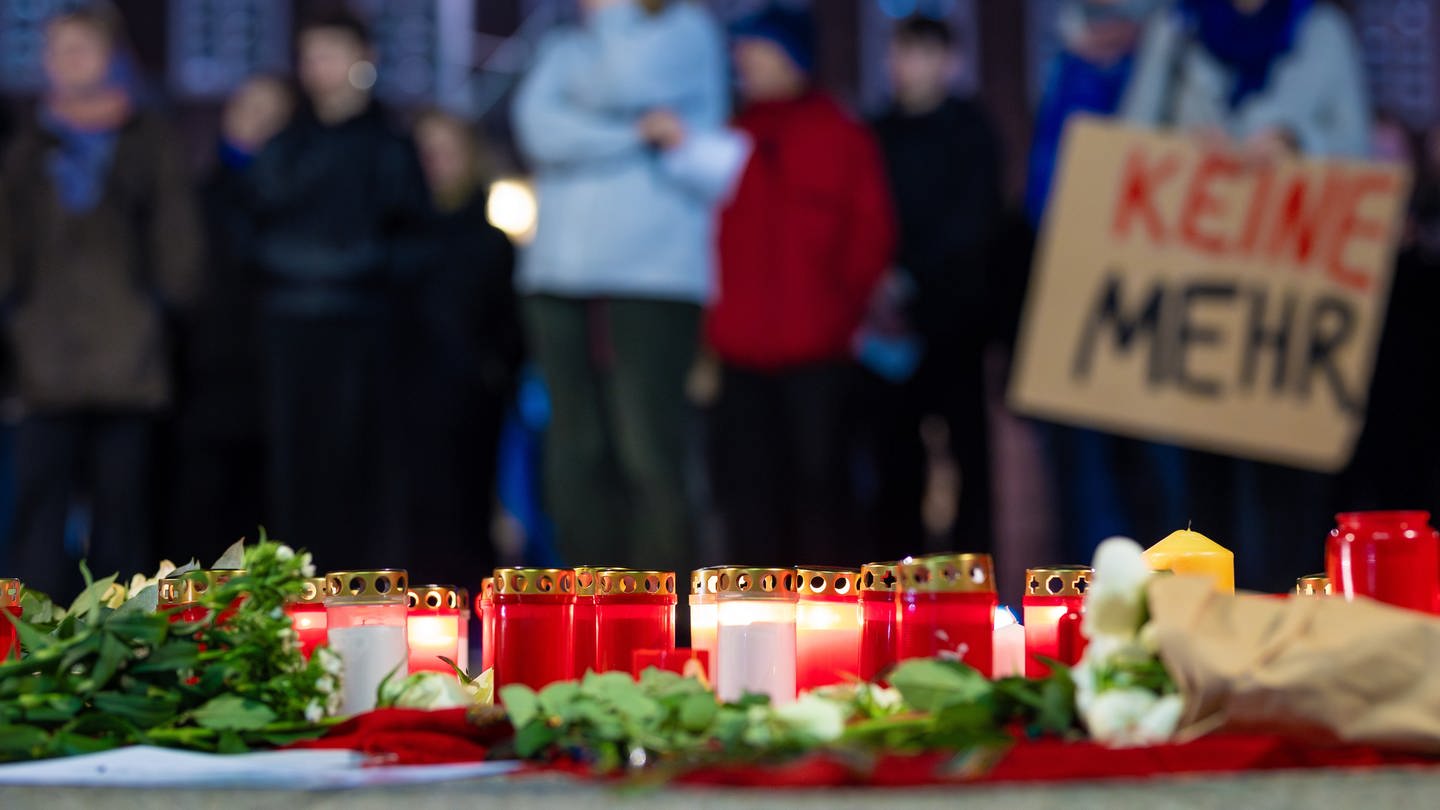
x=366 y=615
x=1387 y=556
x=433 y=627
x=1054 y=605
x=183 y=591
x=485 y=606
x=583 y=643
x=307 y=615
x=534 y=626
x=703 y=613
x=827 y=627
x=877 y=612
x=755 y=633
x=1313 y=585
x=10 y=592
x=946 y=608
x=634 y=610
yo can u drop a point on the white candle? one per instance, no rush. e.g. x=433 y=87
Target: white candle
x=756 y=658
x=368 y=653
x=1009 y=645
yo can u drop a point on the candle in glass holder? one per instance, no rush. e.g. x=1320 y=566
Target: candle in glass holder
x=877 y=612
x=1008 y=644
x=463 y=596
x=1387 y=556
x=307 y=615
x=945 y=607
x=755 y=633
x=587 y=578
x=184 y=591
x=1054 y=602
x=534 y=626
x=1190 y=553
x=366 y=618
x=634 y=610
x=827 y=627
x=10 y=592
x=691 y=663
x=1313 y=585
x=485 y=606
x=432 y=629
x=703 y=611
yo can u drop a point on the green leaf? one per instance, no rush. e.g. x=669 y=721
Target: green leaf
x=930 y=684
x=87 y=604
x=532 y=738
x=697 y=712
x=179 y=654
x=556 y=698
x=230 y=743
x=70 y=744
x=520 y=703
x=22 y=740
x=233 y=713
x=113 y=653
x=139 y=628
x=144 y=711
x=32 y=638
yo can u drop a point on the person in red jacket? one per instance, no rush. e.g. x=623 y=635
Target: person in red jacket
x=805 y=238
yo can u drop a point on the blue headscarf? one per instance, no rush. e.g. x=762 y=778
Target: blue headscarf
x=1248 y=44
x=81 y=161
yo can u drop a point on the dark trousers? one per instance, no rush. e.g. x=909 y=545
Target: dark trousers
x=61 y=458
x=949 y=385
x=615 y=483
x=779 y=466
x=325 y=417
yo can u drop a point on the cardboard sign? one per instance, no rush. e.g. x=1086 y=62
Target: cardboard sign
x=1182 y=296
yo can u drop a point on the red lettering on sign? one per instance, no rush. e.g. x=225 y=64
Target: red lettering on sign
x=1201 y=202
x=1352 y=227
x=1138 y=185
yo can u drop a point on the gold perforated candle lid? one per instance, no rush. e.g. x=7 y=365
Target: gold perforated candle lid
x=433 y=597
x=463 y=596
x=624 y=582
x=756 y=583
x=587 y=579
x=187 y=588
x=487 y=589
x=534 y=582
x=879 y=577
x=10 y=591
x=820 y=581
x=1059 y=580
x=383 y=586
x=702 y=580
x=1313 y=585
x=312 y=592
x=947 y=573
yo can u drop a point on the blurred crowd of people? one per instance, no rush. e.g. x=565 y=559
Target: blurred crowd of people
x=749 y=306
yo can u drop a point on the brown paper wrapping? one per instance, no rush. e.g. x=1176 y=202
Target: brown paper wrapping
x=1323 y=668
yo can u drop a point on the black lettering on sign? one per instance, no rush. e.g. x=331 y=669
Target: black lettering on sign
x=1109 y=317
x=1267 y=336
x=1189 y=335
x=1331 y=326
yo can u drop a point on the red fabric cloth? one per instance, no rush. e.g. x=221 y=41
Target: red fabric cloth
x=412 y=737
x=810 y=231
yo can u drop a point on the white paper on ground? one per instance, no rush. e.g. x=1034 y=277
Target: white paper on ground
x=147 y=766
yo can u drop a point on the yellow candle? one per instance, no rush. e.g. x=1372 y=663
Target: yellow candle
x=1191 y=553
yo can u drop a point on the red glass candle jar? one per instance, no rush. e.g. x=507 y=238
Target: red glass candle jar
x=1313 y=585
x=1392 y=557
x=827 y=627
x=10 y=591
x=307 y=615
x=534 y=626
x=432 y=629
x=184 y=591
x=485 y=606
x=877 y=615
x=463 y=595
x=1054 y=604
x=689 y=662
x=634 y=610
x=583 y=647
x=366 y=624
x=946 y=608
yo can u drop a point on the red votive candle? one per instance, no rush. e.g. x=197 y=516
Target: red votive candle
x=433 y=627
x=1054 y=603
x=1387 y=556
x=485 y=606
x=634 y=610
x=681 y=660
x=184 y=591
x=827 y=627
x=463 y=595
x=10 y=591
x=534 y=626
x=946 y=608
x=586 y=580
x=877 y=615
x=307 y=615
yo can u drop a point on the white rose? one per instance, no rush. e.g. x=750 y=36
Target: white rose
x=314 y=712
x=1159 y=724
x=284 y=552
x=820 y=718
x=307 y=565
x=1115 y=602
x=1132 y=717
x=426 y=690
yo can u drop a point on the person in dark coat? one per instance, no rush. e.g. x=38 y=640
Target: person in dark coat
x=101 y=246
x=943 y=163
x=462 y=337
x=340 y=203
x=808 y=233
x=217 y=493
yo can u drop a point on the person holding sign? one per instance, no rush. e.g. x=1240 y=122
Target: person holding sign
x=1260 y=80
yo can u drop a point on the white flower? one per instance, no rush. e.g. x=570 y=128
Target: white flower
x=425 y=690
x=1132 y=717
x=330 y=663
x=325 y=685
x=284 y=552
x=307 y=566
x=816 y=716
x=482 y=689
x=314 y=712
x=885 y=697
x=1115 y=602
